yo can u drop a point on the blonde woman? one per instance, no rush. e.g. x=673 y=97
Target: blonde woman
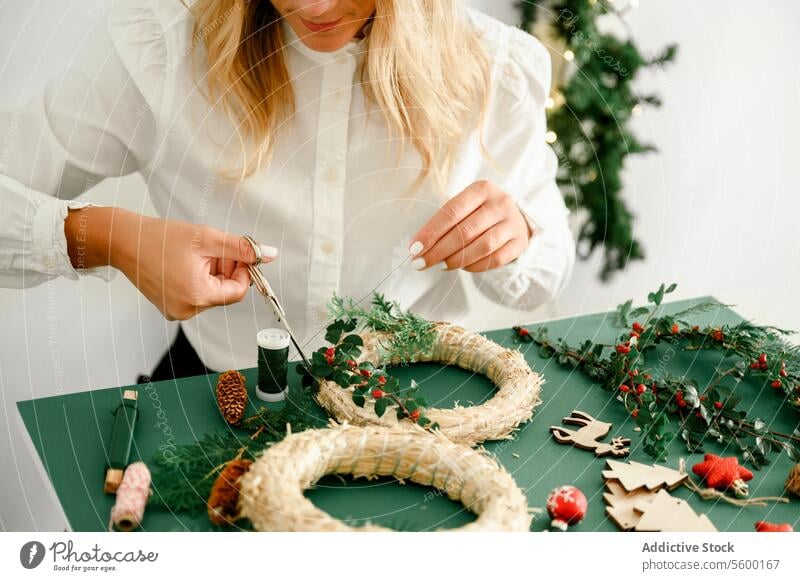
x=395 y=145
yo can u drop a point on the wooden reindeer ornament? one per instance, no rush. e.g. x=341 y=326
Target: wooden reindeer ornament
x=588 y=435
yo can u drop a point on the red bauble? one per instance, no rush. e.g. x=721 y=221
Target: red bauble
x=768 y=527
x=566 y=505
x=723 y=473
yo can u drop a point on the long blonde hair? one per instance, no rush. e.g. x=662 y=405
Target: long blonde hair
x=424 y=69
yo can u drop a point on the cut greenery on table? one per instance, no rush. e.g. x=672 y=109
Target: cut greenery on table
x=665 y=405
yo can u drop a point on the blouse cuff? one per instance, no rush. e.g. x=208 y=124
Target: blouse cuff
x=49 y=253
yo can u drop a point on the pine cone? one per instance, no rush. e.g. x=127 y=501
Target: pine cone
x=793 y=482
x=224 y=498
x=232 y=396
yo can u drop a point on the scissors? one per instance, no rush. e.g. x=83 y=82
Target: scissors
x=260 y=281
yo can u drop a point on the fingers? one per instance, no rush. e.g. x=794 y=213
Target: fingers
x=236 y=248
x=227 y=291
x=482 y=250
x=454 y=211
x=500 y=257
x=460 y=236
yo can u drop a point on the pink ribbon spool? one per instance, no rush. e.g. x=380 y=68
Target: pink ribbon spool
x=132 y=496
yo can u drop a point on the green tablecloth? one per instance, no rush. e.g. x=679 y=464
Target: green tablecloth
x=70 y=433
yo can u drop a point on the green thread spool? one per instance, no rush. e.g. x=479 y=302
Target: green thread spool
x=273 y=364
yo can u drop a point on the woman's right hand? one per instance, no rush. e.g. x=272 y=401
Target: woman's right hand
x=181 y=267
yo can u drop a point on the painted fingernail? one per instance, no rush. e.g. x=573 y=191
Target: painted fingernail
x=418 y=263
x=415 y=248
x=268 y=251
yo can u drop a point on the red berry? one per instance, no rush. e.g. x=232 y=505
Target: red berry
x=330 y=351
x=365 y=372
x=638 y=327
x=718 y=405
x=648 y=376
x=523 y=332
x=777 y=383
x=762 y=358
x=641 y=388
x=624 y=388
x=635 y=335
x=698 y=415
x=718 y=335
x=623 y=349
x=762 y=366
x=682 y=403
x=754 y=365
x=414 y=415
x=675 y=328
x=633 y=372
x=703 y=397
x=351 y=364
x=382 y=379
x=635 y=412
x=377 y=393
x=783 y=373
x=679 y=394
x=696 y=328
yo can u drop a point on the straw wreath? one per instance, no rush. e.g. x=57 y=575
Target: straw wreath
x=518 y=387
x=271 y=491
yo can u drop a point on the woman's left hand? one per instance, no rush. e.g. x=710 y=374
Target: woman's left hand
x=480 y=229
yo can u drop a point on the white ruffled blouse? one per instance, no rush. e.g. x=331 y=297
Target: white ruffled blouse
x=334 y=198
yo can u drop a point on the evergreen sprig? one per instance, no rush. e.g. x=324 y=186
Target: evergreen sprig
x=184 y=476
x=591 y=117
x=408 y=334
x=658 y=400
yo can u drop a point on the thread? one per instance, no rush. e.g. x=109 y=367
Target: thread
x=132 y=494
x=273 y=364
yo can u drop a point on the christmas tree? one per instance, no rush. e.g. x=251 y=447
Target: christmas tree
x=589 y=113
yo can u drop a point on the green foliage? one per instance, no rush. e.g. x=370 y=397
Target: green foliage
x=591 y=119
x=665 y=406
x=409 y=334
x=183 y=477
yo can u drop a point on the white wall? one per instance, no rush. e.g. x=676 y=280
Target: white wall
x=717 y=207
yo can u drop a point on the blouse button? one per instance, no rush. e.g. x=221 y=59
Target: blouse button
x=328 y=248
x=331 y=174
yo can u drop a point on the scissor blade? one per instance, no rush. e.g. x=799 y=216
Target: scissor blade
x=281 y=316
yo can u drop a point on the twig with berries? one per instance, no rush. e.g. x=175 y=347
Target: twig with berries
x=339 y=362
x=656 y=401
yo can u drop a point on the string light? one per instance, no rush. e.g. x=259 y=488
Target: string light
x=569 y=55
x=636 y=110
x=549 y=103
x=634 y=4
x=550 y=137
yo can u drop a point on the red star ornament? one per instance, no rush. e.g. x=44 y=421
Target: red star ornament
x=768 y=527
x=723 y=473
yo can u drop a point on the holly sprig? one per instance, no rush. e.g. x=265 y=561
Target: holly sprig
x=657 y=400
x=339 y=362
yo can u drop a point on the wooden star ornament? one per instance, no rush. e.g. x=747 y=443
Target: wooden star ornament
x=723 y=474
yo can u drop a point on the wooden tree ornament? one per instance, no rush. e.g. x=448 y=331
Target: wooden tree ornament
x=621 y=504
x=665 y=513
x=588 y=435
x=634 y=475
